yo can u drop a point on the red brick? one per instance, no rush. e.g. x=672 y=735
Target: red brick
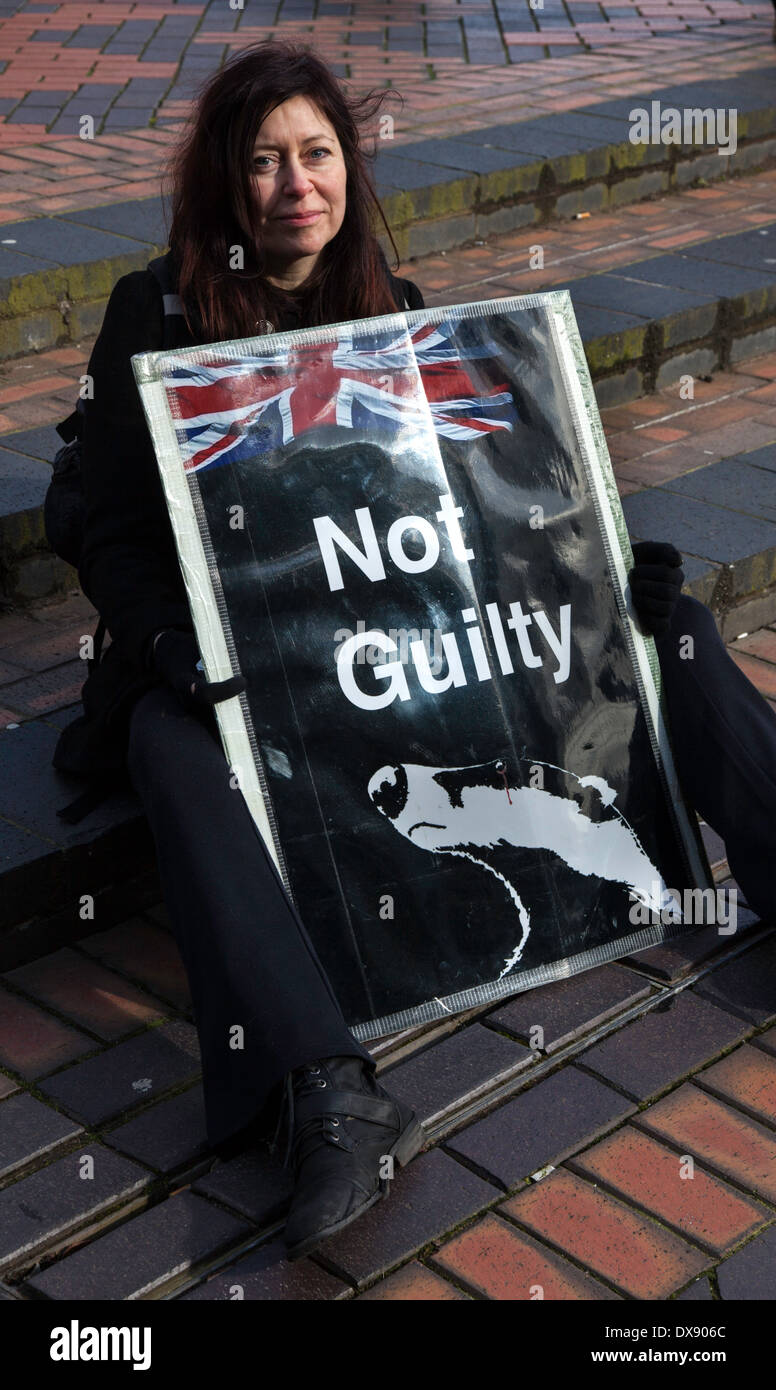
x=147 y=954
x=414 y=1282
x=761 y=644
x=48 y=690
x=747 y=1078
x=701 y=1207
x=502 y=1263
x=33 y=1043
x=33 y=388
x=628 y=1249
x=723 y=1139
x=760 y=673
x=664 y=434
x=49 y=646
x=86 y=993
x=15 y=627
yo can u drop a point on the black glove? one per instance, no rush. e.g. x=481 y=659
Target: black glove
x=175 y=655
x=656 y=581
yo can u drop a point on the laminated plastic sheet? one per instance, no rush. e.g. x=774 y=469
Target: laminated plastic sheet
x=405 y=532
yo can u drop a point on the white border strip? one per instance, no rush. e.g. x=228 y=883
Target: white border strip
x=202 y=601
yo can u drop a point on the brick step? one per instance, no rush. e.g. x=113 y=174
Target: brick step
x=438 y=193
x=56 y=272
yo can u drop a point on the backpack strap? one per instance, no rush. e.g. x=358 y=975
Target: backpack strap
x=176 y=334
x=72 y=427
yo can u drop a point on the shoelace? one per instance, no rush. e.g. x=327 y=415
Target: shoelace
x=315 y=1124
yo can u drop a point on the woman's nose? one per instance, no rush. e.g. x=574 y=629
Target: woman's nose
x=295 y=178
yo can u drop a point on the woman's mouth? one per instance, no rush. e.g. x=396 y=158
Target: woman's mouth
x=300 y=218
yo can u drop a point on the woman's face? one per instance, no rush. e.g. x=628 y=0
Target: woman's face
x=300 y=178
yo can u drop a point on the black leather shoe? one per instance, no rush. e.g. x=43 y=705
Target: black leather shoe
x=345 y=1135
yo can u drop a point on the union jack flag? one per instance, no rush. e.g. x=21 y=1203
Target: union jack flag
x=400 y=380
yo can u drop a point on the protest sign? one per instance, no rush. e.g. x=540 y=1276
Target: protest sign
x=406 y=534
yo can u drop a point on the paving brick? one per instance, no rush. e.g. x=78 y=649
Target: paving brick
x=86 y=993
x=501 y=1263
x=7 y=1086
x=664 y=1045
x=747 y=1078
x=568 y=1008
x=36 y=695
x=761 y=644
x=414 y=1282
x=673 y=959
x=144 y=1253
x=697 y=1292
x=47 y=1205
x=750 y=1274
x=128 y=1074
x=142 y=218
x=755 y=248
x=762 y=674
x=543 y=1125
x=766 y=1040
x=32 y=1042
x=63 y=243
x=689 y=273
x=426 y=1199
x=50 y=646
x=24 y=482
x=28 y=1130
x=723 y=1139
x=638 y=1168
x=635 y=297
x=747 y=986
x=433 y=1080
x=730 y=483
x=255 y=1185
x=159 y=913
x=630 y=1251
x=697 y=528
x=147 y=954
x=267 y=1273
x=166 y=1136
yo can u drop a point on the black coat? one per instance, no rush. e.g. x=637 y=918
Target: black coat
x=129 y=567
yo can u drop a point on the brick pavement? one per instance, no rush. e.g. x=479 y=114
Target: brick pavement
x=133 y=68
x=567 y=1191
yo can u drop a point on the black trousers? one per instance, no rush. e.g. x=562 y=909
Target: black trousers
x=250 y=963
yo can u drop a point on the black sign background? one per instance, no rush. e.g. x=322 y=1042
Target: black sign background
x=454 y=923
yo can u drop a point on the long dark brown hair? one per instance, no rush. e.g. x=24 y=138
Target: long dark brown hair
x=214 y=205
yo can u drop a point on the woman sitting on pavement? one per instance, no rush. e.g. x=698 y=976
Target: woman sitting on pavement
x=272 y=162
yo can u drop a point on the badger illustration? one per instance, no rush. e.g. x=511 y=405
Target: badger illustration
x=468 y=811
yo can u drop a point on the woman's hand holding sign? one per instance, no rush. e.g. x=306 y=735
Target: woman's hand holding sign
x=656 y=581
x=176 y=656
